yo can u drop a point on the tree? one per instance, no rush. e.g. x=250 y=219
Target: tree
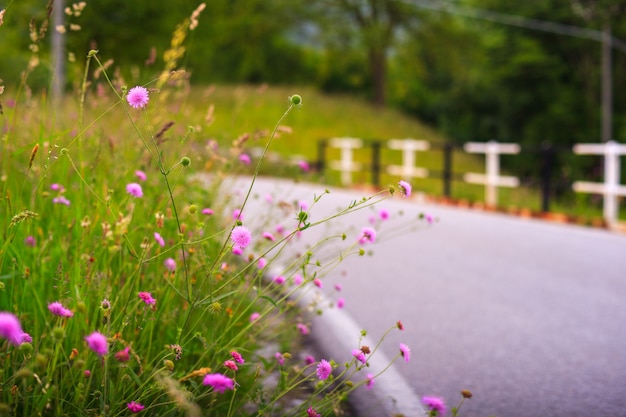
x=374 y=24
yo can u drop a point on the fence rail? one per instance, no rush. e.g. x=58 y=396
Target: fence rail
x=610 y=189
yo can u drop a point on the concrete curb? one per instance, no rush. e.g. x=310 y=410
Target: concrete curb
x=334 y=335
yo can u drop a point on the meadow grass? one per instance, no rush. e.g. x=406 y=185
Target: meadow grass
x=126 y=286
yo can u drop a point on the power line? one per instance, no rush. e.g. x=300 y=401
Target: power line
x=519 y=21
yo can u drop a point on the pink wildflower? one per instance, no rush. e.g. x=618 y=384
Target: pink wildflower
x=98 y=343
x=303 y=205
x=338 y=287
x=309 y=360
x=312 y=413
x=269 y=198
x=405 y=188
x=279 y=279
x=383 y=214
x=147 y=298
x=57 y=187
x=10 y=328
x=237 y=215
x=399 y=325
x=244 y=158
x=61 y=200
x=170 y=264
x=237 y=357
x=231 y=365
x=30 y=241
x=134 y=189
x=237 y=250
x=435 y=404
x=359 y=355
x=324 y=369
x=405 y=352
x=159 y=239
x=370 y=381
x=261 y=263
x=269 y=236
x=25 y=338
x=340 y=303
x=87 y=373
x=138 y=97
x=303 y=328
x=280 y=358
x=135 y=407
x=280 y=229
x=255 y=316
x=219 y=382
x=318 y=283
x=241 y=236
x=122 y=355
x=57 y=309
x=367 y=235
x=297 y=279
x=141 y=175
x=207 y=211
x=304 y=166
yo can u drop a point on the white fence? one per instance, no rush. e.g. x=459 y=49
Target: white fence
x=610 y=189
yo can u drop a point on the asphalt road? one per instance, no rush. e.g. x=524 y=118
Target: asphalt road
x=528 y=315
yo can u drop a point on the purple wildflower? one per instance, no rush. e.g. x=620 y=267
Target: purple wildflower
x=98 y=343
x=244 y=158
x=30 y=241
x=61 y=200
x=237 y=357
x=10 y=328
x=207 y=211
x=303 y=328
x=405 y=188
x=219 y=382
x=138 y=97
x=241 y=236
x=147 y=298
x=170 y=264
x=370 y=381
x=367 y=235
x=359 y=355
x=435 y=404
x=405 y=352
x=324 y=369
x=310 y=412
x=159 y=239
x=135 y=407
x=231 y=365
x=57 y=309
x=141 y=175
x=340 y=303
x=134 y=189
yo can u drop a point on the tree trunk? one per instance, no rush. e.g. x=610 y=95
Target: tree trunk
x=378 y=70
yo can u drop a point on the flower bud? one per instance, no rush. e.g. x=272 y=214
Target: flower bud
x=296 y=99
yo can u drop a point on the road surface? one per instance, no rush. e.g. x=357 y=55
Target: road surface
x=528 y=315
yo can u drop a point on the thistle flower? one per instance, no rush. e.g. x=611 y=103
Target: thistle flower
x=312 y=413
x=308 y=360
x=98 y=343
x=324 y=369
x=219 y=382
x=57 y=309
x=138 y=97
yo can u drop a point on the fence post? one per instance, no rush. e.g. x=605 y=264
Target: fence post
x=492 y=178
x=376 y=163
x=448 y=148
x=321 y=155
x=611 y=188
x=547 y=158
x=409 y=148
x=346 y=165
